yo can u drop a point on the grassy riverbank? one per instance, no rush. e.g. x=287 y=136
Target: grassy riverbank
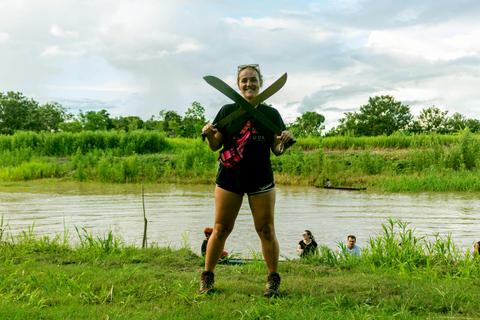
x=395 y=163
x=104 y=278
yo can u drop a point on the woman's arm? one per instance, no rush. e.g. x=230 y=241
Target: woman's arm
x=214 y=137
x=299 y=249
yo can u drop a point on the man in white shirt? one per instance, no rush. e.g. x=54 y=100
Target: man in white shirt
x=351 y=248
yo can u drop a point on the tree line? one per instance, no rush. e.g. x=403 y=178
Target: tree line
x=383 y=115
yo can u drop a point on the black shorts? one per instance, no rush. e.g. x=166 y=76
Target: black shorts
x=233 y=188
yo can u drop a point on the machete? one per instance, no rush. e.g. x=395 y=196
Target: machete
x=236 y=97
x=264 y=95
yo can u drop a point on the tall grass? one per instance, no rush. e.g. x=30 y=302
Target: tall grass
x=66 y=143
x=397 y=140
x=432 y=162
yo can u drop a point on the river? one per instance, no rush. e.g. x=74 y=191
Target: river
x=178 y=214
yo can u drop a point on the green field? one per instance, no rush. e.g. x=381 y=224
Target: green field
x=386 y=163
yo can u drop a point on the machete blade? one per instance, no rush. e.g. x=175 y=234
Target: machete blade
x=236 y=97
x=264 y=95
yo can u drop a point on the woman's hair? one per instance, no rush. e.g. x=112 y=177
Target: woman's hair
x=310 y=234
x=208 y=232
x=256 y=69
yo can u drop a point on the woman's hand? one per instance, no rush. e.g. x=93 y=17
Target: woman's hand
x=209 y=130
x=214 y=137
x=285 y=136
x=279 y=144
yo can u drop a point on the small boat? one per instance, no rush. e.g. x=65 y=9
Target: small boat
x=343 y=188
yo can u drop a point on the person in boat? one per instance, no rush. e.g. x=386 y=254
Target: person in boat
x=351 y=248
x=476 y=249
x=307 y=247
x=253 y=175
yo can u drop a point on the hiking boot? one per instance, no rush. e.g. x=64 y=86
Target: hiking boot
x=207 y=281
x=273 y=285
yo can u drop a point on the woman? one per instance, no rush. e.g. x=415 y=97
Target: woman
x=253 y=175
x=307 y=246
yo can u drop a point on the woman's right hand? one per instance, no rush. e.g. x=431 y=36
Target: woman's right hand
x=209 y=130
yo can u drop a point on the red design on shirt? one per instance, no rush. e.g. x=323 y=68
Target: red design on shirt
x=246 y=127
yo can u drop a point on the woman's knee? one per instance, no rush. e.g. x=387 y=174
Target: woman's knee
x=266 y=232
x=221 y=231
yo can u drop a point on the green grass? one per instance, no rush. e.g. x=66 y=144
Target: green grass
x=105 y=278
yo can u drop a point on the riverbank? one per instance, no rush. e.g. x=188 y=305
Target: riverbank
x=104 y=278
x=392 y=164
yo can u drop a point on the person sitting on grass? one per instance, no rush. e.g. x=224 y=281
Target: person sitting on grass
x=208 y=233
x=307 y=247
x=351 y=248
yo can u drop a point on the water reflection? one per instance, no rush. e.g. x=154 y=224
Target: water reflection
x=177 y=212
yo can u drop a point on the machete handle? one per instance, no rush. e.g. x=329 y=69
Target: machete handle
x=204 y=135
x=290 y=142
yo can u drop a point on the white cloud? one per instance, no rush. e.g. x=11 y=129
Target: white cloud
x=188 y=47
x=56 y=31
x=108 y=87
x=445 y=42
x=56 y=51
x=3 y=37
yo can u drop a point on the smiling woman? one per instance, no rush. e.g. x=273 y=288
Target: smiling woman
x=251 y=174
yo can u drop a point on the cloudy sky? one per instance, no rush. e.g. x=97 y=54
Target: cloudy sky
x=139 y=57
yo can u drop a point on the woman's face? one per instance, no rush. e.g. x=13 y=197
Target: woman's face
x=249 y=83
x=305 y=235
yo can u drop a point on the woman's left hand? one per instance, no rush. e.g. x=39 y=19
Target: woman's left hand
x=285 y=136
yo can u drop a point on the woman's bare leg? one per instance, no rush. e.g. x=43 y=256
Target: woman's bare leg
x=227 y=206
x=263 y=209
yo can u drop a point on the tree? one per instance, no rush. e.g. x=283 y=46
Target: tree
x=457 y=122
x=128 y=124
x=194 y=120
x=51 y=115
x=473 y=125
x=71 y=126
x=431 y=120
x=310 y=123
x=95 y=120
x=382 y=115
x=17 y=112
x=153 y=124
x=172 y=122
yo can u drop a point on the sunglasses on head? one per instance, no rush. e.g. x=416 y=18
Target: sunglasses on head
x=243 y=66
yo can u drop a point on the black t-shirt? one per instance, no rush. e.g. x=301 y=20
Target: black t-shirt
x=308 y=249
x=254 y=170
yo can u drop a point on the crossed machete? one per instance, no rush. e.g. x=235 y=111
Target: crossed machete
x=245 y=106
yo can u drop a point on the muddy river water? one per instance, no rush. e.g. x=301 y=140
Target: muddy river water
x=177 y=214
